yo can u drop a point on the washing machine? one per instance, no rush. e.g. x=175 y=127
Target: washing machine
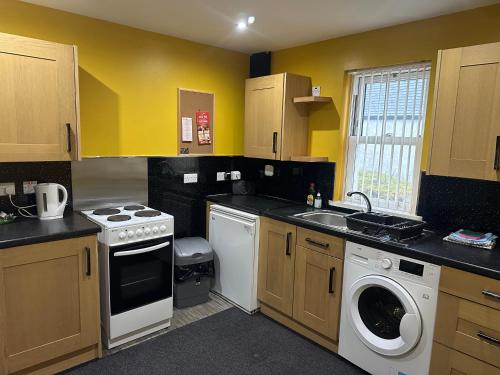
x=388 y=311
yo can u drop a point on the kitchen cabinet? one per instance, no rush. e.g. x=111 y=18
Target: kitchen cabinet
x=466 y=130
x=317 y=291
x=467 y=329
x=49 y=306
x=39 y=102
x=276 y=265
x=446 y=361
x=300 y=281
x=276 y=127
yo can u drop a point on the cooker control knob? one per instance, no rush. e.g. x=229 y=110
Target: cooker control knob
x=163 y=228
x=147 y=230
x=139 y=232
x=386 y=263
x=122 y=235
x=155 y=229
x=131 y=233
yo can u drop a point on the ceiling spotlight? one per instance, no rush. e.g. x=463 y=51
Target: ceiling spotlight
x=251 y=20
x=241 y=25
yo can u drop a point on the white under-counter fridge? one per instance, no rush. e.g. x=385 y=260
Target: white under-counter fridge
x=234 y=237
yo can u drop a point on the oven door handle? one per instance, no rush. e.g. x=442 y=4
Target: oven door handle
x=141 y=251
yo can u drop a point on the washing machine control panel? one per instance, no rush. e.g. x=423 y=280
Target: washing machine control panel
x=393 y=265
x=386 y=263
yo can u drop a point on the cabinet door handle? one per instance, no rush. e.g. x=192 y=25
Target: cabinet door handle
x=275 y=142
x=88 y=271
x=287 y=245
x=68 y=135
x=497 y=154
x=331 y=290
x=487 y=293
x=483 y=335
x=324 y=245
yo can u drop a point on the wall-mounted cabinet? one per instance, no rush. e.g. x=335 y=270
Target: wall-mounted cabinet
x=466 y=129
x=39 y=104
x=276 y=127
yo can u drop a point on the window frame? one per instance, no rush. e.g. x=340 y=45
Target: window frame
x=350 y=140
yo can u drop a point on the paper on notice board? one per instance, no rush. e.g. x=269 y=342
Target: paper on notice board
x=187 y=129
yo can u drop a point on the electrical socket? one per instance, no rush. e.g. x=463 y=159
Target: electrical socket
x=7 y=188
x=221 y=176
x=190 y=178
x=235 y=175
x=269 y=170
x=29 y=187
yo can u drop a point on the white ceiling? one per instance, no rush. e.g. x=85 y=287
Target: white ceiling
x=279 y=23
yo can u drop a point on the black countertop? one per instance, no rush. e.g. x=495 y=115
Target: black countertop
x=31 y=231
x=430 y=247
x=253 y=204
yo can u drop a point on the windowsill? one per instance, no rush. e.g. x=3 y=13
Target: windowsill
x=354 y=206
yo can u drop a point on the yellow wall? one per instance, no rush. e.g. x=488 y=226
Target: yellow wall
x=326 y=62
x=129 y=80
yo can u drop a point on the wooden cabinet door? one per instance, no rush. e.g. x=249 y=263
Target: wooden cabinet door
x=276 y=265
x=317 y=291
x=468 y=327
x=48 y=301
x=446 y=361
x=264 y=116
x=38 y=100
x=466 y=139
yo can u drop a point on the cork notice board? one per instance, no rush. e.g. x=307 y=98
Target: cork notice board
x=189 y=103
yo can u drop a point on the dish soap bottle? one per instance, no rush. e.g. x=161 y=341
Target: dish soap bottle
x=310 y=195
x=317 y=201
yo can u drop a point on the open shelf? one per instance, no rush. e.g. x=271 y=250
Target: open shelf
x=312 y=99
x=309 y=159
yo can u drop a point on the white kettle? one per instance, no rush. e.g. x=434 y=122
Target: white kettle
x=48 y=204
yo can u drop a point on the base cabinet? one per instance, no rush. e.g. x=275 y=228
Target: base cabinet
x=300 y=285
x=467 y=329
x=446 y=361
x=276 y=265
x=317 y=290
x=49 y=309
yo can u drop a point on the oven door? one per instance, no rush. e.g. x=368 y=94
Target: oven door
x=140 y=274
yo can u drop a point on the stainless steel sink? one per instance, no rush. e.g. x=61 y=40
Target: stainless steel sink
x=325 y=217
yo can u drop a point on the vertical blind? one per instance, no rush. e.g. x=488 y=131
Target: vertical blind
x=387 y=120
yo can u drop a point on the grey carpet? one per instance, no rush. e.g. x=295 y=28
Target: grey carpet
x=230 y=342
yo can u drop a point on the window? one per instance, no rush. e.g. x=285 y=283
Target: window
x=387 y=118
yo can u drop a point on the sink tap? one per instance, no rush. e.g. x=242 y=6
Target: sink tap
x=367 y=200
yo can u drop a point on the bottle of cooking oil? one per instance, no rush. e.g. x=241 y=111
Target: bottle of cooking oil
x=311 y=194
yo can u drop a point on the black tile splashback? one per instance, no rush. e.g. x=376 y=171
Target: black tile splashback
x=58 y=172
x=450 y=203
x=167 y=191
x=291 y=179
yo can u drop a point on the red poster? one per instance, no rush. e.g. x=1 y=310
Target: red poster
x=202 y=118
x=203 y=126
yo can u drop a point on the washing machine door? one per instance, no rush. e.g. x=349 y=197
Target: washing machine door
x=384 y=315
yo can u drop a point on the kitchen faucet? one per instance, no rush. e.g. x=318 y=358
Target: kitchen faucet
x=365 y=197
